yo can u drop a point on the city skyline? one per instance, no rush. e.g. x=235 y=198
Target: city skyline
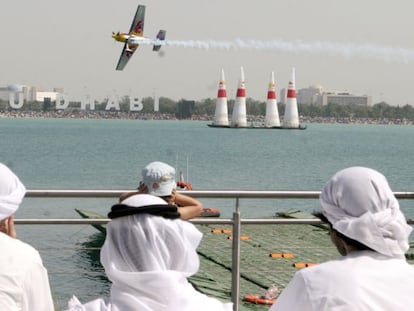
x=356 y=47
x=307 y=95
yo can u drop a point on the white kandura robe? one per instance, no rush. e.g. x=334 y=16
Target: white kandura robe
x=24 y=284
x=360 y=281
x=148 y=260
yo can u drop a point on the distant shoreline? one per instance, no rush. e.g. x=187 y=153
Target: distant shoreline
x=167 y=116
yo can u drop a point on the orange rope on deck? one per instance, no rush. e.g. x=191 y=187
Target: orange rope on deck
x=260 y=300
x=301 y=265
x=282 y=255
x=227 y=231
x=242 y=237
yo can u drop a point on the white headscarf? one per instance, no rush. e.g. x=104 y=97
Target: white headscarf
x=359 y=203
x=144 y=242
x=148 y=260
x=12 y=192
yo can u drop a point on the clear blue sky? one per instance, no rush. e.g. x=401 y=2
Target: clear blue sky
x=50 y=43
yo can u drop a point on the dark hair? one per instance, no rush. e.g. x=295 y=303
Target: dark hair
x=358 y=245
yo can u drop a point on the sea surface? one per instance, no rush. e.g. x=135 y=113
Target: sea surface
x=109 y=154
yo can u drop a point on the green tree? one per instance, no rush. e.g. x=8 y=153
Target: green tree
x=167 y=105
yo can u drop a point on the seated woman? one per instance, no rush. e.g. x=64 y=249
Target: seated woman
x=148 y=254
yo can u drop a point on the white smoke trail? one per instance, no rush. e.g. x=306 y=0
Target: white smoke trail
x=347 y=50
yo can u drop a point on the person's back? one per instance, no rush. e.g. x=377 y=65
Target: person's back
x=24 y=284
x=149 y=253
x=363 y=281
x=21 y=271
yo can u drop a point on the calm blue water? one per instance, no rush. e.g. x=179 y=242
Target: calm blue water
x=109 y=154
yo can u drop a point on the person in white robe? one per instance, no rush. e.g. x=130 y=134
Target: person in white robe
x=148 y=254
x=372 y=235
x=24 y=283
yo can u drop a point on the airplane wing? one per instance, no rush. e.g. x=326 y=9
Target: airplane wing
x=136 y=29
x=137 y=26
x=126 y=54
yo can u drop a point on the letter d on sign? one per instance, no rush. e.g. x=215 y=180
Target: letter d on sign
x=62 y=101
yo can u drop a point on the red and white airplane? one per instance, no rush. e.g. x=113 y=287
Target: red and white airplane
x=135 y=37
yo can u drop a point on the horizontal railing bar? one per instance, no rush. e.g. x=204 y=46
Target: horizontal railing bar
x=291 y=221
x=199 y=194
x=247 y=194
x=217 y=221
x=74 y=193
x=100 y=221
x=53 y=221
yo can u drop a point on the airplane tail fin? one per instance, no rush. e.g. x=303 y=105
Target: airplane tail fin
x=160 y=37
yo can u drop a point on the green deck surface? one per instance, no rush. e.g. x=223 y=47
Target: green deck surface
x=258 y=271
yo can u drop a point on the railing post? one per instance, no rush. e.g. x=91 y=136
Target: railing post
x=235 y=275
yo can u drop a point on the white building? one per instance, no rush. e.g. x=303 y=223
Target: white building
x=4 y=93
x=30 y=93
x=310 y=95
x=344 y=99
x=40 y=96
x=315 y=95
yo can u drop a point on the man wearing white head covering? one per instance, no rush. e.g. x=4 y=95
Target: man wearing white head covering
x=24 y=284
x=148 y=255
x=158 y=178
x=371 y=233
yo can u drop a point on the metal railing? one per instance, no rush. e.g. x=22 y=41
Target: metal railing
x=236 y=221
